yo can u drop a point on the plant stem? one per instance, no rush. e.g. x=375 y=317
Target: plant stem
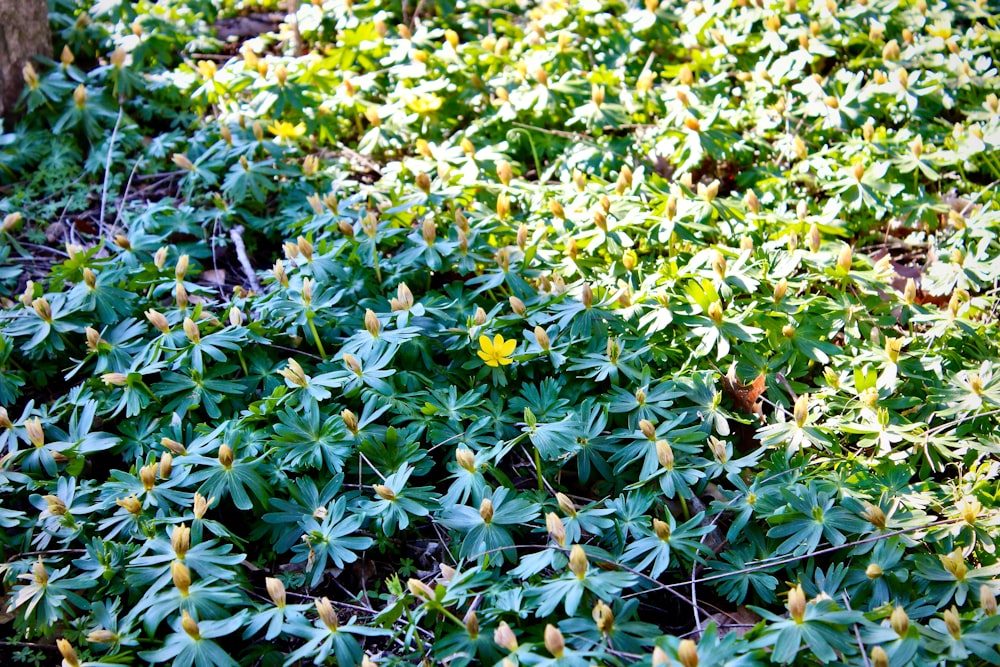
x=538 y=470
x=315 y=334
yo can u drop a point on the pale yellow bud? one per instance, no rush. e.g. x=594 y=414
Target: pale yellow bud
x=352 y=364
x=687 y=653
x=874 y=515
x=578 y=561
x=102 y=636
x=480 y=316
x=189 y=625
x=554 y=641
x=504 y=172
x=147 y=475
x=114 y=379
x=226 y=456
x=276 y=590
x=879 y=657
x=384 y=492
x=517 y=306
x=987 y=600
x=200 y=505
x=174 y=446
x=647 y=429
x=486 y=510
x=69 y=656
x=466 y=459
x=180 y=540
x=801 y=410
x=715 y=312
x=36 y=435
x=11 y=221
x=372 y=324
x=845 y=259
x=555 y=528
x=191 y=330
x=899 y=621
x=661 y=529
x=780 y=290
x=181 y=576
x=797 y=603
x=420 y=590
x=873 y=571
x=130 y=504
x=953 y=623
x=504 y=637
x=350 y=421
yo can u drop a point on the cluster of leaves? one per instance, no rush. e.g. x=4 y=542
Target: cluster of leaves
x=509 y=249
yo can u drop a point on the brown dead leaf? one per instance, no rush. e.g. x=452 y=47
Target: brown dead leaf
x=744 y=396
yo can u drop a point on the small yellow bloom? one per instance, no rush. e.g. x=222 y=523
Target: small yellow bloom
x=496 y=352
x=284 y=130
x=423 y=103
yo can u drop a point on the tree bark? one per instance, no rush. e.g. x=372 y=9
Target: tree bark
x=24 y=34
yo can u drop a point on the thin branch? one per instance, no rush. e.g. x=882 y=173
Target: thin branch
x=236 y=234
x=107 y=169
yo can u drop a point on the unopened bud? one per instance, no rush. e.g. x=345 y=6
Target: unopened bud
x=276 y=589
x=554 y=641
x=486 y=510
x=797 y=603
x=687 y=653
x=504 y=637
x=191 y=330
x=879 y=657
x=226 y=456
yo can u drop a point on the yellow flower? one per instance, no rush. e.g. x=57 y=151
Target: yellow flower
x=423 y=103
x=285 y=130
x=496 y=352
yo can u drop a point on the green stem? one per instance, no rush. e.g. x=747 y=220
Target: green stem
x=538 y=470
x=315 y=333
x=243 y=362
x=684 y=506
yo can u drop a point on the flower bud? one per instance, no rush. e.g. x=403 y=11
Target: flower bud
x=70 y=658
x=873 y=571
x=180 y=540
x=661 y=529
x=56 y=505
x=384 y=492
x=5 y=419
x=504 y=172
x=276 y=589
x=166 y=465
x=554 y=642
x=517 y=306
x=779 y=290
x=147 y=475
x=801 y=410
x=899 y=621
x=555 y=528
x=372 y=324
x=486 y=510
x=987 y=600
x=953 y=623
x=35 y=433
x=715 y=312
x=719 y=264
x=350 y=421
x=665 y=454
x=80 y=96
x=504 y=637
x=42 y=309
x=578 y=561
x=874 y=515
x=797 y=603
x=191 y=330
x=603 y=617
x=174 y=446
x=687 y=653
x=660 y=658
x=420 y=590
x=556 y=209
x=102 y=636
x=403 y=299
x=891 y=51
x=480 y=316
x=352 y=364
x=200 y=505
x=466 y=459
x=327 y=614
x=130 y=504
x=503 y=205
x=226 y=456
x=189 y=625
x=181 y=576
x=879 y=657
x=114 y=379
x=647 y=429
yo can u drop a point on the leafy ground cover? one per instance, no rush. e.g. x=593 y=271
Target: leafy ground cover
x=554 y=333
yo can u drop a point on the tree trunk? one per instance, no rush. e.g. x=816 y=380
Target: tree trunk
x=24 y=33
